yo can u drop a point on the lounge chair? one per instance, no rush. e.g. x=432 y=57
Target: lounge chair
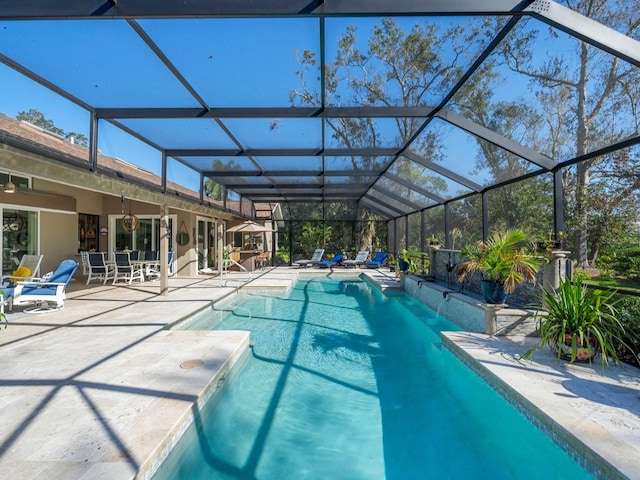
x=29 y=265
x=47 y=294
x=361 y=259
x=379 y=260
x=337 y=260
x=315 y=259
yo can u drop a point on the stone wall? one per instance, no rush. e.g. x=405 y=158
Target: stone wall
x=469 y=312
x=444 y=263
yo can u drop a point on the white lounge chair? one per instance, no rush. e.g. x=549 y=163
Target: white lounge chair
x=46 y=294
x=361 y=259
x=30 y=262
x=315 y=259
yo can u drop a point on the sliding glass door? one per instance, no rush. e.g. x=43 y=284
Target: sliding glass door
x=19 y=237
x=145 y=237
x=206 y=244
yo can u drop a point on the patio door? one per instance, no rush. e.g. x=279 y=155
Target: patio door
x=206 y=244
x=145 y=237
x=19 y=237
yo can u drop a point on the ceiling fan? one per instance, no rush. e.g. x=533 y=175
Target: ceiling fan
x=11 y=188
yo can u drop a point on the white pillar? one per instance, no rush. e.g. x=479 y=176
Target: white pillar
x=220 y=246
x=164 y=250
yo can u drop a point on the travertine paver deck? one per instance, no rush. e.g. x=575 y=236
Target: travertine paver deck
x=595 y=414
x=96 y=391
x=93 y=390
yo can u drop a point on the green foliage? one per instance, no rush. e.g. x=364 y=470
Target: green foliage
x=582 y=317
x=411 y=256
x=37 y=118
x=282 y=256
x=504 y=258
x=314 y=235
x=621 y=256
x=629 y=316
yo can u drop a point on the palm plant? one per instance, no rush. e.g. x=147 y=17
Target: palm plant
x=504 y=259
x=580 y=322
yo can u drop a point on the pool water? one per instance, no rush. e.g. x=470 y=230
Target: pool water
x=345 y=382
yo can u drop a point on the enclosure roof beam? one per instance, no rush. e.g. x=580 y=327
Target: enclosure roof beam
x=496 y=139
x=396 y=197
x=385 y=206
x=64 y=9
x=414 y=187
x=291 y=173
x=375 y=208
x=443 y=171
x=265 y=112
x=283 y=152
x=586 y=29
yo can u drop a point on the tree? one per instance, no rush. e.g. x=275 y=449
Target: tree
x=592 y=93
x=37 y=118
x=391 y=68
x=213 y=189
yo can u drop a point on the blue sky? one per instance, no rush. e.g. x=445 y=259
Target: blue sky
x=244 y=62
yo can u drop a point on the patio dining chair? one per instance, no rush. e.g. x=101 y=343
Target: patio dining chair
x=153 y=269
x=99 y=269
x=84 y=257
x=125 y=270
x=262 y=259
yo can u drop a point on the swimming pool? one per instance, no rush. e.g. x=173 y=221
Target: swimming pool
x=345 y=382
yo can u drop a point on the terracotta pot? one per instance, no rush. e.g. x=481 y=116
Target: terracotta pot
x=583 y=352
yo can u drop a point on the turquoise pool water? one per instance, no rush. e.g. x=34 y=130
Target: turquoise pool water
x=344 y=382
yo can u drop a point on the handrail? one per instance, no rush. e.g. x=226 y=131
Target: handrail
x=226 y=262
x=619 y=290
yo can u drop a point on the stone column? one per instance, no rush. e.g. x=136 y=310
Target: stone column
x=555 y=269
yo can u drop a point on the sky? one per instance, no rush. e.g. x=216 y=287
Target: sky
x=239 y=63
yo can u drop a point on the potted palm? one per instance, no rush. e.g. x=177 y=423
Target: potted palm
x=504 y=261
x=406 y=260
x=580 y=322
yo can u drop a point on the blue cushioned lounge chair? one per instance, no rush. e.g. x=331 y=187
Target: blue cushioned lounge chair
x=46 y=294
x=379 y=260
x=337 y=260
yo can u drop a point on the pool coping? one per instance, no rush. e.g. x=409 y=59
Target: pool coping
x=585 y=412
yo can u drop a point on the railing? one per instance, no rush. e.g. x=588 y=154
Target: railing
x=226 y=263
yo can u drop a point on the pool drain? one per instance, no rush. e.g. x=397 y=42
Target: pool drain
x=191 y=363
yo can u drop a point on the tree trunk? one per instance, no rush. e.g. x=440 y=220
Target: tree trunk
x=582 y=169
x=582 y=180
